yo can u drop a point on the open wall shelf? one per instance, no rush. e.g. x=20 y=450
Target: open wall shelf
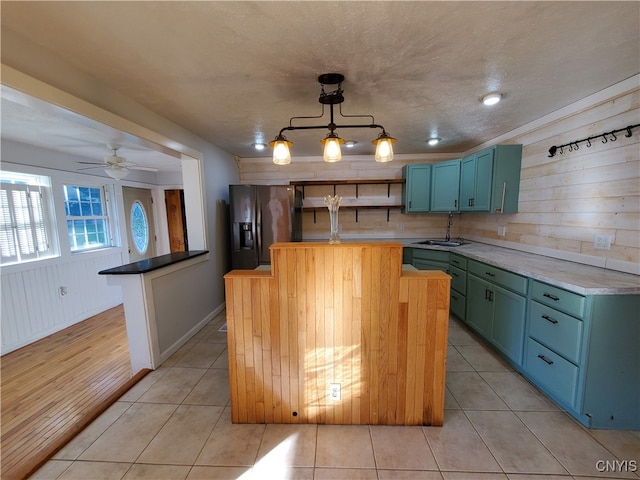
x=301 y=184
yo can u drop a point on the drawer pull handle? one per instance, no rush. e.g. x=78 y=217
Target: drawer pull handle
x=490 y=274
x=454 y=274
x=549 y=319
x=454 y=297
x=545 y=359
x=455 y=261
x=552 y=297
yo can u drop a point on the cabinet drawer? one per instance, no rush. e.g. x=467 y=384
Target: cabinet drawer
x=458 y=261
x=458 y=279
x=556 y=330
x=560 y=299
x=458 y=304
x=509 y=280
x=552 y=371
x=429 y=265
x=432 y=255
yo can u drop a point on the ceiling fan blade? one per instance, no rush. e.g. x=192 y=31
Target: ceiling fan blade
x=147 y=169
x=92 y=163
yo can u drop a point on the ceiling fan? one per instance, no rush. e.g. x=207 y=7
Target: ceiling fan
x=115 y=166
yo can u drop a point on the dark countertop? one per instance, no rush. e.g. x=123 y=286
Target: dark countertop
x=150 y=264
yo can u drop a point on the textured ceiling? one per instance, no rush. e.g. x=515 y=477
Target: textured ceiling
x=235 y=72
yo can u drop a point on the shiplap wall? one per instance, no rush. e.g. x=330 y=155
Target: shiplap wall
x=565 y=201
x=32 y=306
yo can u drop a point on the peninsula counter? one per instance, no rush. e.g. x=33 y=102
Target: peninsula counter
x=160 y=297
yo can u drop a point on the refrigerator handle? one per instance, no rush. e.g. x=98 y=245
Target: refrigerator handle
x=259 y=229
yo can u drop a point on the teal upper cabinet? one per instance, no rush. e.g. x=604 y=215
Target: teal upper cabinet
x=445 y=186
x=415 y=189
x=490 y=180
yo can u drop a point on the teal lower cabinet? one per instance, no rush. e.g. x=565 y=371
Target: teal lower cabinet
x=509 y=313
x=479 y=307
x=496 y=308
x=425 y=259
x=584 y=352
x=458 y=272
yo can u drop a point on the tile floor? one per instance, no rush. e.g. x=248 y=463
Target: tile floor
x=175 y=424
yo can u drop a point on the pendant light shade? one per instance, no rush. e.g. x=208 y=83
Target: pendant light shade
x=384 y=147
x=281 y=152
x=332 y=152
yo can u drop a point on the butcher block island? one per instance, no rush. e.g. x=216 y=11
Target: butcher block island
x=337 y=334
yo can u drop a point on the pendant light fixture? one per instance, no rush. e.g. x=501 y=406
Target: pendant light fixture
x=332 y=151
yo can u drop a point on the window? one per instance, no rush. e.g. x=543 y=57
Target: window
x=26 y=224
x=139 y=227
x=87 y=220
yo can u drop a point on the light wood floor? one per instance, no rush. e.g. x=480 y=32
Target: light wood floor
x=53 y=388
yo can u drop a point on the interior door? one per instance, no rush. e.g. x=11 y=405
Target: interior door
x=138 y=208
x=176 y=220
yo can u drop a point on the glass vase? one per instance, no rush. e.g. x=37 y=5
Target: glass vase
x=333 y=204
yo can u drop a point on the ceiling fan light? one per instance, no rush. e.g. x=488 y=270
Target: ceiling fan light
x=384 y=147
x=332 y=152
x=117 y=173
x=281 y=152
x=433 y=141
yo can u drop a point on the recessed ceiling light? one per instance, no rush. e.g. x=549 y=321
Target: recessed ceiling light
x=350 y=144
x=492 y=98
x=259 y=146
x=433 y=141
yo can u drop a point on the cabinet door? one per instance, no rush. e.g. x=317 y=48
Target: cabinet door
x=479 y=306
x=416 y=196
x=509 y=310
x=484 y=172
x=445 y=186
x=467 y=183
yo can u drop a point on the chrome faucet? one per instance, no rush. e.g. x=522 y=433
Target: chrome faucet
x=447 y=237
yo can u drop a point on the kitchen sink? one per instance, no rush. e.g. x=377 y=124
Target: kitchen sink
x=443 y=243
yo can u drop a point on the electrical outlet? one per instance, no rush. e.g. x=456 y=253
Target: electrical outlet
x=602 y=242
x=502 y=230
x=401 y=226
x=334 y=391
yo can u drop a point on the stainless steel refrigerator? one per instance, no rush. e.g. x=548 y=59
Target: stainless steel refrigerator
x=261 y=215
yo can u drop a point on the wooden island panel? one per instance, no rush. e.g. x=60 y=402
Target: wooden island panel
x=343 y=314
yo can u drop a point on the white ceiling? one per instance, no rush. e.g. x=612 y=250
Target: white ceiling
x=235 y=72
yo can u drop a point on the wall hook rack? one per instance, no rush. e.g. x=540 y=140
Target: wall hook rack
x=574 y=145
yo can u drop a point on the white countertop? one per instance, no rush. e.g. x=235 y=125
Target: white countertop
x=575 y=277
